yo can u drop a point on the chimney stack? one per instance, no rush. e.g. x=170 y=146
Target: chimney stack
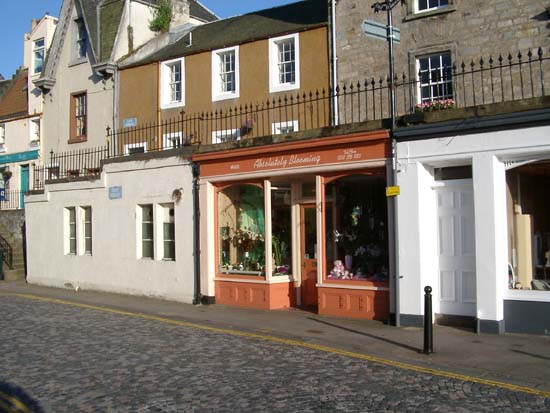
x=180 y=13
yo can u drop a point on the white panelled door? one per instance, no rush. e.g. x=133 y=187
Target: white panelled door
x=457 y=265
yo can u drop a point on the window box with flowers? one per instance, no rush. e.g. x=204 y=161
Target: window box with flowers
x=434 y=105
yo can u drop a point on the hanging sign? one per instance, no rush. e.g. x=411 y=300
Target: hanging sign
x=392 y=191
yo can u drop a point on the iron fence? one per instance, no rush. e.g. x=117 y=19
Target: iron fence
x=7 y=252
x=484 y=81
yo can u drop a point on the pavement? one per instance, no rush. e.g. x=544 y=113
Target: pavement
x=467 y=370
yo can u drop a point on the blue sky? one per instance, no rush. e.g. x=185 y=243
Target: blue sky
x=16 y=15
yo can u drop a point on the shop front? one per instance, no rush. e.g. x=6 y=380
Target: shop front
x=298 y=224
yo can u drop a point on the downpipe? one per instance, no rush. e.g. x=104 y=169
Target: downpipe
x=196 y=235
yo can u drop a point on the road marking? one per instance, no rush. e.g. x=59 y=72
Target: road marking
x=296 y=343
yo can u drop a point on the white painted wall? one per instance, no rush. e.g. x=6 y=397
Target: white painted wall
x=418 y=233
x=114 y=265
x=72 y=77
x=137 y=15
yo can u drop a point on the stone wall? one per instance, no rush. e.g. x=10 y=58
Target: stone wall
x=12 y=221
x=467 y=28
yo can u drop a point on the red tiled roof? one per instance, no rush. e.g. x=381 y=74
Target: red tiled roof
x=14 y=101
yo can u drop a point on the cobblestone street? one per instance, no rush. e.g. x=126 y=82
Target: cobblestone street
x=71 y=359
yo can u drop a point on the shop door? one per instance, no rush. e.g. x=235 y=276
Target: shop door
x=24 y=184
x=308 y=229
x=457 y=267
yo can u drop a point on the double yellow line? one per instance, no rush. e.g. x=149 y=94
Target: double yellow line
x=295 y=343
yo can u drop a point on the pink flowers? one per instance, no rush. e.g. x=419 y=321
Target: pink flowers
x=435 y=105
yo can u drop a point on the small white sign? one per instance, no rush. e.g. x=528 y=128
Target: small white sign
x=115 y=192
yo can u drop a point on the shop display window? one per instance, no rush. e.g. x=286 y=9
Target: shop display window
x=281 y=219
x=241 y=230
x=529 y=227
x=356 y=227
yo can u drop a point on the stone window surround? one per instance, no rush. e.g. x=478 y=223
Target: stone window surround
x=164 y=84
x=217 y=93
x=274 y=83
x=425 y=51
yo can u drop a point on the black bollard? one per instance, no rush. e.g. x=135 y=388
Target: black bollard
x=428 y=326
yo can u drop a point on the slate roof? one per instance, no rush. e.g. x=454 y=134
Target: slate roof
x=14 y=101
x=110 y=15
x=261 y=24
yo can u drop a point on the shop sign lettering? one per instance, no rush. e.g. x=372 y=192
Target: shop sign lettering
x=349 y=155
x=286 y=161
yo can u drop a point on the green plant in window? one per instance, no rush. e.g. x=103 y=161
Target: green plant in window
x=162 y=16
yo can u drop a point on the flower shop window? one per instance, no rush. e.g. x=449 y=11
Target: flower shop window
x=356 y=227
x=529 y=226
x=241 y=230
x=281 y=228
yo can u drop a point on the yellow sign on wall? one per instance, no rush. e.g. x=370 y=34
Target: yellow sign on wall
x=392 y=191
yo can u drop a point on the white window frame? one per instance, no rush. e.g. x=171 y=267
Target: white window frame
x=36 y=50
x=134 y=145
x=139 y=231
x=164 y=209
x=85 y=235
x=2 y=137
x=217 y=88
x=169 y=138
x=218 y=135
x=430 y=84
x=67 y=224
x=274 y=82
x=80 y=28
x=428 y=8
x=277 y=126
x=165 y=78
x=34 y=137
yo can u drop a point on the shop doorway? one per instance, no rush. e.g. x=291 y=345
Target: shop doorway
x=457 y=267
x=308 y=255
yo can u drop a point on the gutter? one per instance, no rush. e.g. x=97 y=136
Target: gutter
x=196 y=234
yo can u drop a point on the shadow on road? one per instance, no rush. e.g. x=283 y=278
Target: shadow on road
x=385 y=340
x=538 y=356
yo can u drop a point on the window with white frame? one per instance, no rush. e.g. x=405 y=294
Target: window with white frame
x=147 y=232
x=134 y=148
x=435 y=83
x=172 y=83
x=228 y=135
x=168 y=232
x=282 y=128
x=425 y=5
x=70 y=217
x=34 y=132
x=172 y=140
x=38 y=56
x=225 y=73
x=81 y=39
x=2 y=136
x=284 y=63
x=87 y=229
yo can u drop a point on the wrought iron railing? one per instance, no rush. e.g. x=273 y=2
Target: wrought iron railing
x=467 y=84
x=7 y=252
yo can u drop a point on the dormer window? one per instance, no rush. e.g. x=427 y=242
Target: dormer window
x=38 y=56
x=81 y=39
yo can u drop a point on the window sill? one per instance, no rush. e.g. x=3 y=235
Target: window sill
x=285 y=87
x=77 y=140
x=2 y=149
x=429 y=13
x=172 y=105
x=225 y=96
x=76 y=62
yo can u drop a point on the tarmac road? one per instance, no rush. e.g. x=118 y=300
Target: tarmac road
x=69 y=358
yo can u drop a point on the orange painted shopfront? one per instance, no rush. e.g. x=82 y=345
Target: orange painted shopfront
x=298 y=224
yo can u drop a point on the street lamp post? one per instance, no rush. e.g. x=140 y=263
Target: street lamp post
x=388 y=6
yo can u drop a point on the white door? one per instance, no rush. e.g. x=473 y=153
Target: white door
x=457 y=266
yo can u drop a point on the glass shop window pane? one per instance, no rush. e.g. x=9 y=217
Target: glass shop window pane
x=241 y=230
x=281 y=228
x=356 y=223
